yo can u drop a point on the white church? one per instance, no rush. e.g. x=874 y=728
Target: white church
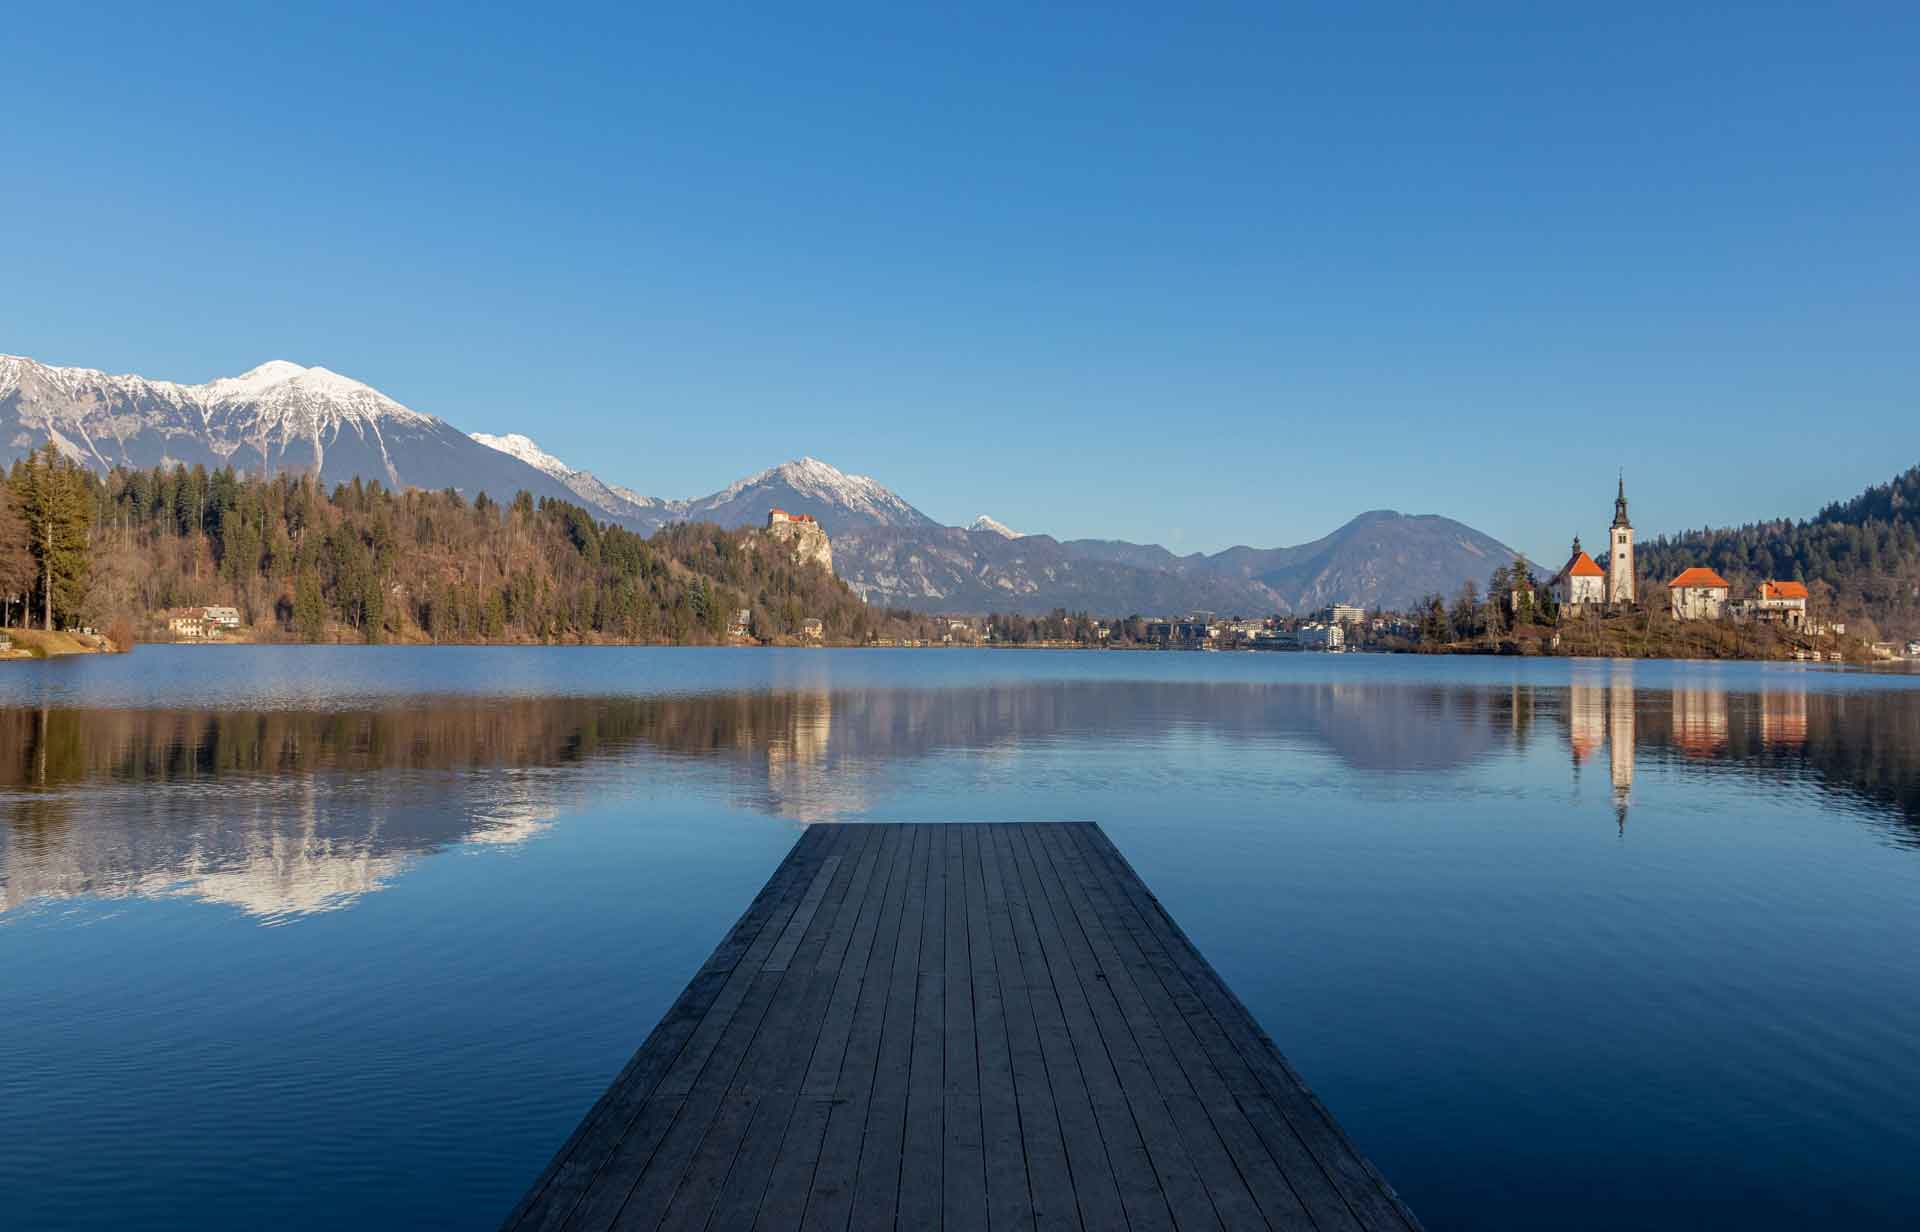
x=1584 y=583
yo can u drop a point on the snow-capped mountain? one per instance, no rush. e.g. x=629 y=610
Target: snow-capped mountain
x=995 y=527
x=279 y=416
x=806 y=485
x=839 y=501
x=623 y=504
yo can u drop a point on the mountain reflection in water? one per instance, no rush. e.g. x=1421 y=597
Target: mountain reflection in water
x=281 y=813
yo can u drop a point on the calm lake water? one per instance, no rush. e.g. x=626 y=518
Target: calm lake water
x=308 y=937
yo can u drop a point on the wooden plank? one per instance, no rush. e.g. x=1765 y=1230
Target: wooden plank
x=1138 y=985
x=1181 y=978
x=784 y=1202
x=776 y=1080
x=639 y=1182
x=1366 y=1193
x=1007 y=1202
x=831 y=1191
x=963 y=1201
x=713 y=990
x=1148 y=1159
x=991 y=1026
x=1050 y=1179
x=1172 y=1090
x=923 y=1146
x=876 y=1186
x=1095 y=1191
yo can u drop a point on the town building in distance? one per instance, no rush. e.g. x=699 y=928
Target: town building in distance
x=1582 y=583
x=1784 y=603
x=1698 y=594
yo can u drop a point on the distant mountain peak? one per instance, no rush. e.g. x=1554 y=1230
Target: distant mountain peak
x=808 y=485
x=994 y=526
x=524 y=448
x=607 y=498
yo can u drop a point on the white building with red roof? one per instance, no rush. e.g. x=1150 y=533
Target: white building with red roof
x=1698 y=594
x=1581 y=583
x=1781 y=602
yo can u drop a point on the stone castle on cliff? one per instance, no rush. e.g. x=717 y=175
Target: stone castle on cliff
x=803 y=534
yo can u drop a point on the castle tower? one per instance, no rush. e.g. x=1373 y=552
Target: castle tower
x=1620 y=552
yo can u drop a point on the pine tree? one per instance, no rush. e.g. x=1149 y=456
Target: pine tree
x=17 y=567
x=309 y=610
x=57 y=506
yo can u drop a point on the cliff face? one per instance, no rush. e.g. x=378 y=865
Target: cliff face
x=805 y=540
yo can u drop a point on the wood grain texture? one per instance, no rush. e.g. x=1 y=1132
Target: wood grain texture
x=989 y=1026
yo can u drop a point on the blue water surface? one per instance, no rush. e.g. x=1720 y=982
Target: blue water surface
x=302 y=937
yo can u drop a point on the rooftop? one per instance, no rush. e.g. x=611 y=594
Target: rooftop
x=1582 y=566
x=1698 y=578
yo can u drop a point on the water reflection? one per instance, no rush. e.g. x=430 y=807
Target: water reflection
x=280 y=813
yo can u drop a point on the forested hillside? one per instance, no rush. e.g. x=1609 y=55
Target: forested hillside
x=363 y=562
x=1861 y=558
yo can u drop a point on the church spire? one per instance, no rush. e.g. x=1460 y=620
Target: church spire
x=1620 y=504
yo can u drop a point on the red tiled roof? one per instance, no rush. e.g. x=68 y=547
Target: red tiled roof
x=1582 y=566
x=1698 y=578
x=1783 y=590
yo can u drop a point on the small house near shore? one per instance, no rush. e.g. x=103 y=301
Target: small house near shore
x=1783 y=603
x=1698 y=594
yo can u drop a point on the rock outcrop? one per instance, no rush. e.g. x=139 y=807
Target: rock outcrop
x=802 y=536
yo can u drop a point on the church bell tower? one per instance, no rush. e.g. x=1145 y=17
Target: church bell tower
x=1620 y=552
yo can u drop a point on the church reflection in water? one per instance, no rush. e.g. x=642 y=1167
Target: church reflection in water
x=282 y=813
x=1604 y=714
x=1833 y=739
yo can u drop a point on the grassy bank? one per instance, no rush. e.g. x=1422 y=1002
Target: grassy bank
x=38 y=644
x=1656 y=635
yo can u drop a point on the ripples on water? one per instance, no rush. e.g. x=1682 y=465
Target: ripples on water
x=1571 y=944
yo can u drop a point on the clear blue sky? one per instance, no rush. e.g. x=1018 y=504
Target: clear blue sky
x=1201 y=278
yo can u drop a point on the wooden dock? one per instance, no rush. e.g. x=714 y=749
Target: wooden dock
x=965 y=1026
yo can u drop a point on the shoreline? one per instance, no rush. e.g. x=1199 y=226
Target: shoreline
x=39 y=644
x=1452 y=651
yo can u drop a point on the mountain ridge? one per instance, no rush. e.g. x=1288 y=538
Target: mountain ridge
x=281 y=415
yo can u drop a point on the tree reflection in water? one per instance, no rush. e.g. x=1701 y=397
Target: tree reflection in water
x=283 y=812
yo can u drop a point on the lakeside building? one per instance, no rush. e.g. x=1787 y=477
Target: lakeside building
x=221 y=617
x=1581 y=583
x=190 y=625
x=1196 y=632
x=813 y=629
x=1328 y=637
x=1343 y=614
x=1584 y=582
x=1620 y=587
x=1782 y=603
x=1698 y=594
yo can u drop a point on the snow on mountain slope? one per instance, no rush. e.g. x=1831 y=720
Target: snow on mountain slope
x=806 y=485
x=279 y=416
x=523 y=448
x=983 y=522
x=616 y=502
